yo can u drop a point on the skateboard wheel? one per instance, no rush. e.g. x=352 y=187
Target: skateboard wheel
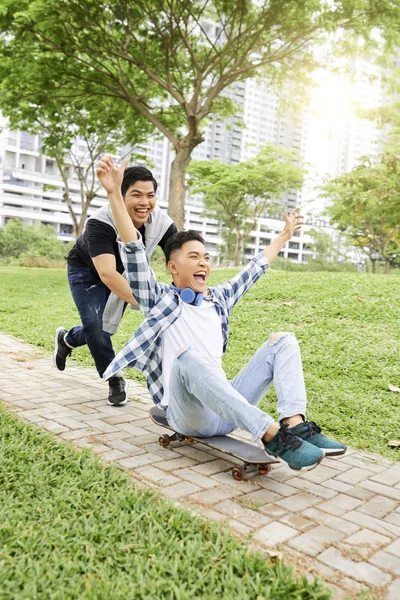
x=264 y=469
x=238 y=473
x=164 y=440
x=189 y=439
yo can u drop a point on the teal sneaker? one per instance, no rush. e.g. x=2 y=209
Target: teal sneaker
x=311 y=432
x=297 y=453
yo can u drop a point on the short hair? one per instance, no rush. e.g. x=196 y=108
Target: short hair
x=177 y=240
x=137 y=173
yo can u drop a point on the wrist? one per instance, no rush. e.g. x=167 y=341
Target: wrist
x=115 y=196
x=284 y=237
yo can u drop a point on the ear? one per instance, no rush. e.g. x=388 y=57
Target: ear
x=171 y=266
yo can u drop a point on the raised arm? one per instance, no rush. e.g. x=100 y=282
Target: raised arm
x=110 y=177
x=239 y=285
x=293 y=222
x=145 y=288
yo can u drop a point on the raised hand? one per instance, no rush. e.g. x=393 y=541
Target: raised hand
x=109 y=175
x=293 y=222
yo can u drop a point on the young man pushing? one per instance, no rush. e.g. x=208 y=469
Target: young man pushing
x=180 y=343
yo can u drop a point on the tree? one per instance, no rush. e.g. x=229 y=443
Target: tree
x=323 y=244
x=76 y=136
x=366 y=205
x=172 y=60
x=237 y=195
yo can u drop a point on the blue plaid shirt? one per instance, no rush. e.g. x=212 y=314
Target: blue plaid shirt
x=162 y=306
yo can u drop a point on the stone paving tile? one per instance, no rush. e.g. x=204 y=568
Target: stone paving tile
x=353 y=476
x=201 y=480
x=386 y=561
x=179 y=462
x=358 y=570
x=274 y=534
x=133 y=462
x=343 y=516
x=296 y=521
x=377 y=525
x=394 y=548
x=298 y=502
x=157 y=476
x=271 y=510
x=260 y=498
x=349 y=490
x=316 y=489
x=181 y=489
x=389 y=477
x=378 y=507
x=339 y=505
x=322 y=473
x=394 y=591
x=393 y=518
x=365 y=542
x=276 y=486
x=251 y=518
x=243 y=486
x=313 y=542
x=383 y=490
x=214 y=495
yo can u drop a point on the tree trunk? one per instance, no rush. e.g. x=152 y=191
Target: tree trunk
x=387 y=266
x=373 y=265
x=80 y=226
x=177 y=191
x=238 y=249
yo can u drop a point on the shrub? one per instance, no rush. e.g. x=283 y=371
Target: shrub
x=314 y=264
x=32 y=246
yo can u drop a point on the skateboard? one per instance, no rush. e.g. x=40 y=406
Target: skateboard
x=255 y=460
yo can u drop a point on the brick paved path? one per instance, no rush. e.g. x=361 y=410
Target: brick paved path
x=340 y=521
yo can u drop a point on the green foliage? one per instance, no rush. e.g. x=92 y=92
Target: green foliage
x=171 y=62
x=323 y=244
x=72 y=528
x=237 y=195
x=314 y=264
x=347 y=325
x=366 y=204
x=19 y=242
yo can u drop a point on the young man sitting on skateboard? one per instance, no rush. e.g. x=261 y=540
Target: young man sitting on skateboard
x=180 y=343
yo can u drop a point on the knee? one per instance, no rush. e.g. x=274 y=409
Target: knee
x=275 y=337
x=94 y=330
x=181 y=351
x=289 y=337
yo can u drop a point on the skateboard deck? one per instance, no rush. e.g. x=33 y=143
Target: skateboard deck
x=255 y=460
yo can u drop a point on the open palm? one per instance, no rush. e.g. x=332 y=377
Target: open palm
x=109 y=175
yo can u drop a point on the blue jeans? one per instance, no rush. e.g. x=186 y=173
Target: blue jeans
x=203 y=404
x=90 y=296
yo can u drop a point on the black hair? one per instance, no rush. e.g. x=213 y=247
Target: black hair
x=133 y=174
x=177 y=240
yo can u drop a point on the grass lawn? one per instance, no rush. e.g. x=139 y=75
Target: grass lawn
x=74 y=529
x=347 y=324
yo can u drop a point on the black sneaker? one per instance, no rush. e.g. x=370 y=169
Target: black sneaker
x=61 y=350
x=118 y=391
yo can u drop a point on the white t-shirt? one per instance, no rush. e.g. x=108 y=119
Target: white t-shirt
x=197 y=327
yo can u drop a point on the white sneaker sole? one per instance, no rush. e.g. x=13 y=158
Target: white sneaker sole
x=56 y=346
x=126 y=398
x=334 y=451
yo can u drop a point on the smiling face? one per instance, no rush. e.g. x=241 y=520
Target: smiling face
x=140 y=200
x=190 y=266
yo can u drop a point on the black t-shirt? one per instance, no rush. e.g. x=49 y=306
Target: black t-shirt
x=100 y=238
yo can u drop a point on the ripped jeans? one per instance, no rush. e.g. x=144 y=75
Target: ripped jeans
x=203 y=404
x=90 y=296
